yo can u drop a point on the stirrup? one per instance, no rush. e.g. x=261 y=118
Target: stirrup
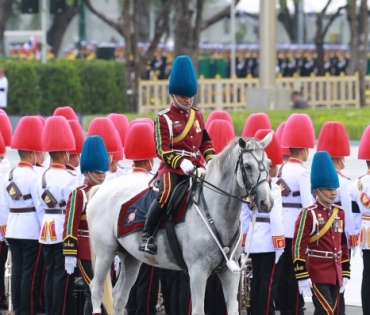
x=148 y=247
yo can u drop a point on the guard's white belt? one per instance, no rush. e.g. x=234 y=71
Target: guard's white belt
x=324 y=254
x=187 y=153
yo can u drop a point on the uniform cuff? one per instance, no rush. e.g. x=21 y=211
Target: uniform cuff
x=278 y=241
x=353 y=240
x=300 y=270
x=70 y=246
x=3 y=229
x=346 y=269
x=172 y=159
x=209 y=154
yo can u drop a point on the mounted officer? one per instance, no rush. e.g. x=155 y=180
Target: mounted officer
x=181 y=143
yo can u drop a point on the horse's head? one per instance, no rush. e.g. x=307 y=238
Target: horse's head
x=253 y=172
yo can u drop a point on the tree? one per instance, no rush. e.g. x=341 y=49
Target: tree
x=5 y=10
x=288 y=19
x=358 y=24
x=320 y=34
x=60 y=24
x=128 y=27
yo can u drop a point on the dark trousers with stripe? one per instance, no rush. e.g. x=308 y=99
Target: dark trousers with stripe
x=3 y=258
x=39 y=282
x=365 y=285
x=166 y=186
x=58 y=284
x=263 y=285
x=324 y=298
x=25 y=254
x=87 y=274
x=288 y=292
x=143 y=296
x=340 y=308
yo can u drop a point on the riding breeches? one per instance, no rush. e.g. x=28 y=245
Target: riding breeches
x=168 y=182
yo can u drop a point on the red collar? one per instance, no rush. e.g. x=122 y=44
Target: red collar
x=57 y=165
x=25 y=164
x=294 y=160
x=178 y=110
x=139 y=170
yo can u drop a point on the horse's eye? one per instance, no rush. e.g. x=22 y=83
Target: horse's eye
x=247 y=167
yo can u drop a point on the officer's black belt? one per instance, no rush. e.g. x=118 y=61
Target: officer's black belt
x=22 y=210
x=296 y=193
x=55 y=211
x=266 y=220
x=292 y=205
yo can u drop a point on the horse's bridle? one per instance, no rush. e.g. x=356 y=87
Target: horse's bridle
x=251 y=190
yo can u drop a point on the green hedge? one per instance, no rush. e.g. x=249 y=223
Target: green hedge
x=355 y=120
x=90 y=87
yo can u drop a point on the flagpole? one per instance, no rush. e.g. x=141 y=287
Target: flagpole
x=44 y=31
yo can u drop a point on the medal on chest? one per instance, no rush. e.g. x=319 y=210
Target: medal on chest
x=197 y=126
x=338 y=225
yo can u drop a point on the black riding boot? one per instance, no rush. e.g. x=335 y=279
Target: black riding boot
x=147 y=243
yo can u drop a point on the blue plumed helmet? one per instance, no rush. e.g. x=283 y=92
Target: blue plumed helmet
x=323 y=173
x=183 y=80
x=94 y=156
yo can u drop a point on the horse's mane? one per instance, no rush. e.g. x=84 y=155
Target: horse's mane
x=222 y=160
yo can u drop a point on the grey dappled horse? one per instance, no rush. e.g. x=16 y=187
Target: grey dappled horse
x=241 y=170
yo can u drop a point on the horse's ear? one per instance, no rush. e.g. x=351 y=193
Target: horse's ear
x=242 y=143
x=267 y=139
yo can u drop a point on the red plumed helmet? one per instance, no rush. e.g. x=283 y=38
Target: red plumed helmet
x=254 y=123
x=279 y=133
x=28 y=134
x=333 y=138
x=298 y=132
x=103 y=127
x=141 y=120
x=6 y=129
x=221 y=133
x=78 y=134
x=66 y=111
x=273 y=150
x=118 y=155
x=364 y=148
x=2 y=145
x=219 y=114
x=121 y=123
x=139 y=142
x=57 y=135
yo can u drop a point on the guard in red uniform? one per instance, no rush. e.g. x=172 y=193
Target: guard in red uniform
x=181 y=142
x=320 y=249
x=76 y=245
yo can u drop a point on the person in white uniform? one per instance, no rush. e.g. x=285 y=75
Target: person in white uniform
x=3 y=89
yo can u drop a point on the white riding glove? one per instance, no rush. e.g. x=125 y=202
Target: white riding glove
x=305 y=287
x=344 y=283
x=278 y=253
x=70 y=263
x=116 y=264
x=186 y=166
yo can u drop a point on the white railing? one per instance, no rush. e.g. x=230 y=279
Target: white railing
x=230 y=94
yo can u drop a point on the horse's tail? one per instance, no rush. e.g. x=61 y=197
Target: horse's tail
x=107 y=298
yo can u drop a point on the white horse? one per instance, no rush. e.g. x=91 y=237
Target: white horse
x=240 y=171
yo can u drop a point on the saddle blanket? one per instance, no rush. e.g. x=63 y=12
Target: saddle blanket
x=133 y=213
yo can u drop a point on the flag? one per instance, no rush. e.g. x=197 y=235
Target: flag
x=31 y=46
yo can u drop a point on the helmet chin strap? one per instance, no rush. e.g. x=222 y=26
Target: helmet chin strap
x=178 y=104
x=329 y=201
x=93 y=179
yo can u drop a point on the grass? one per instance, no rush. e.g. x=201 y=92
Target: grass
x=355 y=120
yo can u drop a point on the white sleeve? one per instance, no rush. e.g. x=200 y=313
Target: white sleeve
x=36 y=192
x=276 y=214
x=346 y=201
x=245 y=218
x=305 y=189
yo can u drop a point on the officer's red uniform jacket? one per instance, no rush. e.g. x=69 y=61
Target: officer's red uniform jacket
x=76 y=231
x=320 y=249
x=180 y=130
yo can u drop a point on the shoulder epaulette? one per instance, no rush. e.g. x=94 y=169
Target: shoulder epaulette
x=195 y=108
x=161 y=113
x=312 y=207
x=71 y=173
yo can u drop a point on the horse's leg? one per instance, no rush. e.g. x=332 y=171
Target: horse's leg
x=102 y=266
x=230 y=286
x=198 y=281
x=129 y=270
